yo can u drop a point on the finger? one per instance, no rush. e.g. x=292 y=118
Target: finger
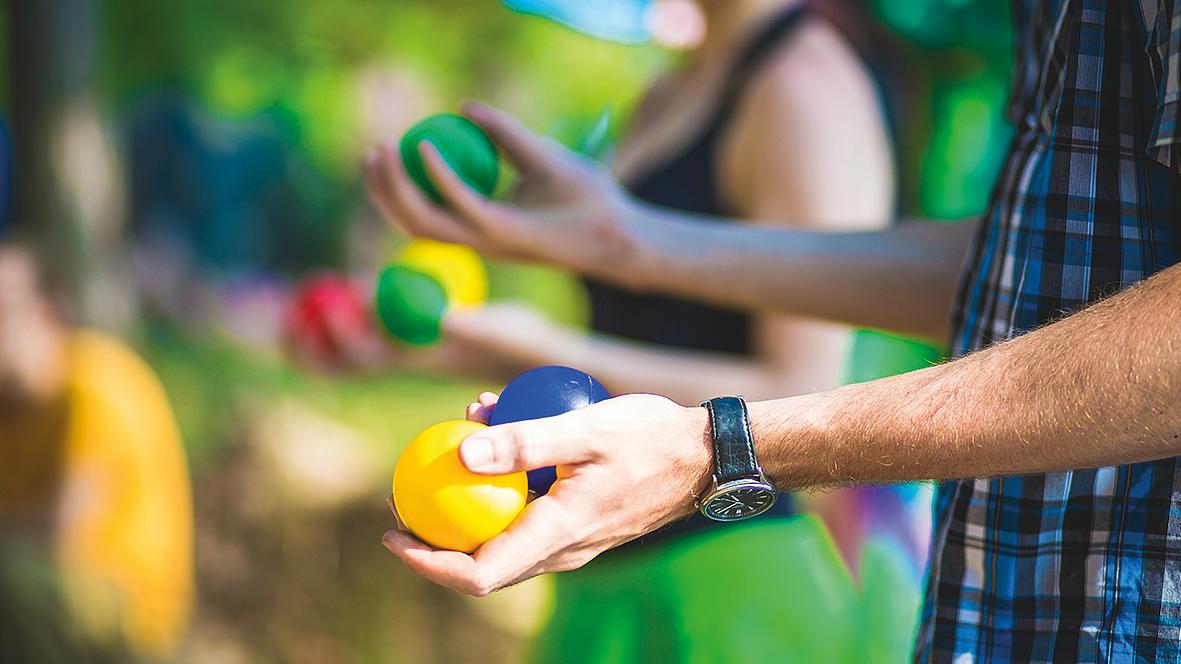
x=530 y=546
x=481 y=410
x=397 y=517
x=526 y=150
x=526 y=445
x=359 y=347
x=376 y=191
x=524 y=550
x=488 y=399
x=471 y=326
x=461 y=198
x=453 y=569
x=418 y=214
x=476 y=413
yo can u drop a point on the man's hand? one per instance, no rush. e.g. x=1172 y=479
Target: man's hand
x=626 y=466
x=565 y=209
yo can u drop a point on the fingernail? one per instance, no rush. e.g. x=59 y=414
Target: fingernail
x=476 y=453
x=387 y=540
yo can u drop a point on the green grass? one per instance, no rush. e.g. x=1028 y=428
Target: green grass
x=213 y=384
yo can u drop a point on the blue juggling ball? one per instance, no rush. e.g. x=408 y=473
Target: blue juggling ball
x=546 y=392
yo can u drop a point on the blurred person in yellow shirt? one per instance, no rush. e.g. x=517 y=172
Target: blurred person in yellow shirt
x=94 y=475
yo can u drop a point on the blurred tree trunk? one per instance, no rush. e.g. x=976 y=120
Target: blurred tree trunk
x=51 y=48
x=68 y=189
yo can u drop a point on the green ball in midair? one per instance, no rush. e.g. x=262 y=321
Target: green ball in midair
x=410 y=305
x=463 y=145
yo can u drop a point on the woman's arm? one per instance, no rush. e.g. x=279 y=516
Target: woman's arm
x=776 y=161
x=901 y=278
x=571 y=213
x=520 y=337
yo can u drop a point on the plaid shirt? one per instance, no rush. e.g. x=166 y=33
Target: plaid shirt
x=1083 y=565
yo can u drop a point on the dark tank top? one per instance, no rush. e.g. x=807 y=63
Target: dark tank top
x=689 y=181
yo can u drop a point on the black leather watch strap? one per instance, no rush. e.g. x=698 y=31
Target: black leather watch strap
x=734 y=445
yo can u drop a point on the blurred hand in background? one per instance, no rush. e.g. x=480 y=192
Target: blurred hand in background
x=566 y=209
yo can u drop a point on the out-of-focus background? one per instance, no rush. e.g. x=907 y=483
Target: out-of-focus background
x=180 y=165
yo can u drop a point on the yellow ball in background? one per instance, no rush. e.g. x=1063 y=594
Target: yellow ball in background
x=442 y=502
x=458 y=268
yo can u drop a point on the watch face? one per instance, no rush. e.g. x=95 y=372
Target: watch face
x=740 y=502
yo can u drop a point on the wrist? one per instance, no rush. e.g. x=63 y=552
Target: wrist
x=740 y=488
x=635 y=255
x=794 y=441
x=699 y=461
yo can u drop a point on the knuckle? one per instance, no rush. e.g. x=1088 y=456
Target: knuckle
x=595 y=447
x=525 y=449
x=480 y=587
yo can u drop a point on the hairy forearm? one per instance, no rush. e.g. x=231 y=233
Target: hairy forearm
x=900 y=279
x=1098 y=388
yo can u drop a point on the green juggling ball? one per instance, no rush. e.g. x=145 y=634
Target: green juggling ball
x=463 y=145
x=410 y=305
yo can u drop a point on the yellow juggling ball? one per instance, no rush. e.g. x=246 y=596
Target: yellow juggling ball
x=442 y=502
x=456 y=267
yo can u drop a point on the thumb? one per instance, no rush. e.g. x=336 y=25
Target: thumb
x=525 y=446
x=493 y=325
x=463 y=323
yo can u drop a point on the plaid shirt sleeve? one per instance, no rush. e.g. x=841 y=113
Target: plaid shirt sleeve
x=1163 y=21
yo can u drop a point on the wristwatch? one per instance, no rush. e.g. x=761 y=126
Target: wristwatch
x=740 y=488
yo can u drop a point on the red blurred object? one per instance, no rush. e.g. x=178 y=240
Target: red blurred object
x=326 y=313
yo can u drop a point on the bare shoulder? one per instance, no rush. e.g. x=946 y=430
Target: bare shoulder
x=815 y=69
x=809 y=108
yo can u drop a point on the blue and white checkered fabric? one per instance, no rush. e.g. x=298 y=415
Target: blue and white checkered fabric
x=1081 y=566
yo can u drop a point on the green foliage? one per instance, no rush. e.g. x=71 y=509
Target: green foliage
x=942 y=24
x=958 y=55
x=304 y=56
x=213 y=385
